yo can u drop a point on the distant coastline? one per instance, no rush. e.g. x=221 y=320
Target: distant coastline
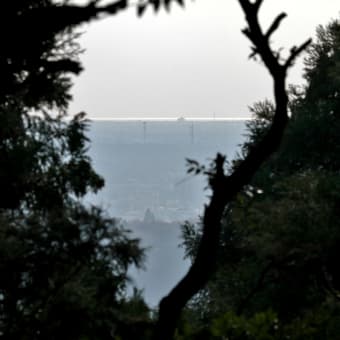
x=169 y=119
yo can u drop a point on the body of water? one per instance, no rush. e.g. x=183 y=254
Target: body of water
x=148 y=187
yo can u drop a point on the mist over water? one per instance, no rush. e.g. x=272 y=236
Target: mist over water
x=147 y=185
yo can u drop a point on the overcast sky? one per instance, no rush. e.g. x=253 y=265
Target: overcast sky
x=191 y=62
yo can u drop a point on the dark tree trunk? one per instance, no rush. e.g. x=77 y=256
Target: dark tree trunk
x=224 y=188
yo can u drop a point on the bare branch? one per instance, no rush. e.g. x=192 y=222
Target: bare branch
x=56 y=18
x=258 y=4
x=251 y=6
x=275 y=25
x=295 y=52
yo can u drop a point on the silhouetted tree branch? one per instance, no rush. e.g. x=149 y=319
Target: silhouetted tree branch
x=59 y=17
x=224 y=188
x=42 y=22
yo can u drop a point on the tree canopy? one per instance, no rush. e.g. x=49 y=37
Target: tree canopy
x=278 y=254
x=271 y=226
x=63 y=265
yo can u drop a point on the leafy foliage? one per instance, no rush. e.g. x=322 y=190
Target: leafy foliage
x=157 y=5
x=278 y=253
x=63 y=266
x=63 y=275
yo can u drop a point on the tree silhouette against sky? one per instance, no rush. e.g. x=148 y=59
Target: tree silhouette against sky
x=33 y=78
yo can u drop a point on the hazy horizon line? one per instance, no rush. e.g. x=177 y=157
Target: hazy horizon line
x=169 y=119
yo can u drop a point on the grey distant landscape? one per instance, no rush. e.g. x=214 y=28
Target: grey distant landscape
x=147 y=185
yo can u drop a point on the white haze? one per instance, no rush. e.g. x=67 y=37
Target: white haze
x=191 y=62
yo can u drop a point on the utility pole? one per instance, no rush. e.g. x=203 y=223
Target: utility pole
x=144 y=132
x=192 y=133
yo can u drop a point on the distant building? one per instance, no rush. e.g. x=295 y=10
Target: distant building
x=149 y=217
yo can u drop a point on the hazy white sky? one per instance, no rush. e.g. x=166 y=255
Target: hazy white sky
x=191 y=62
